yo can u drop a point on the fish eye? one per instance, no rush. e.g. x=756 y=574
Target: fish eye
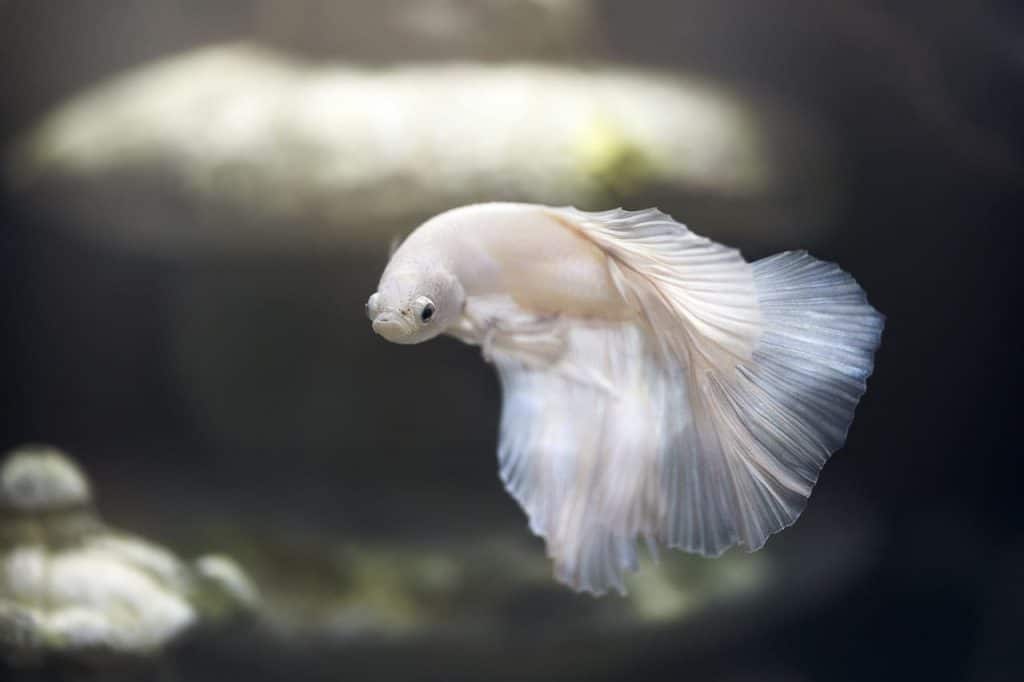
x=425 y=308
x=371 y=306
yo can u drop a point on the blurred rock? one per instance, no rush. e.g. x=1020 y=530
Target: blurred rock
x=40 y=478
x=343 y=152
x=72 y=586
x=227 y=578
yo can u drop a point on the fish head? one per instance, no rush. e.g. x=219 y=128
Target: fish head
x=412 y=305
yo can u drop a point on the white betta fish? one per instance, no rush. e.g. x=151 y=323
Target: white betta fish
x=656 y=385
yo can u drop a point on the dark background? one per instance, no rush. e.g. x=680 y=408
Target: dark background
x=924 y=103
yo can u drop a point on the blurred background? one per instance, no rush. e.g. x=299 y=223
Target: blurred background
x=197 y=199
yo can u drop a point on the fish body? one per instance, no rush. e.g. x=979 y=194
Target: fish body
x=656 y=386
x=520 y=251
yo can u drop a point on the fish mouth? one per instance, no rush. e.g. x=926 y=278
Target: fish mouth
x=392 y=326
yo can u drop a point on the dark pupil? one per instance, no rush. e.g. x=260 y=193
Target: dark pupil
x=428 y=312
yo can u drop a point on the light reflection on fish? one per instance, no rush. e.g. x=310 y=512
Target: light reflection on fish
x=656 y=385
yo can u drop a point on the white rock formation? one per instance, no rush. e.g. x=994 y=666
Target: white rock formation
x=71 y=585
x=340 y=148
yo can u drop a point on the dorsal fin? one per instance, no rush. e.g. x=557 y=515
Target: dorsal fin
x=698 y=295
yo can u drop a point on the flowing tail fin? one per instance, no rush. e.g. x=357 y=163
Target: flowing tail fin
x=729 y=391
x=765 y=432
x=775 y=356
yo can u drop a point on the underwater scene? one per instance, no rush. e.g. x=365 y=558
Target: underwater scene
x=764 y=433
